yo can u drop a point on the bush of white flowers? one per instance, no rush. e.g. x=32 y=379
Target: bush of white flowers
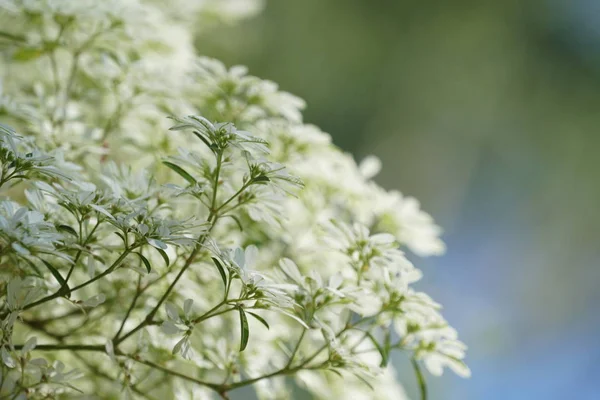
x=228 y=245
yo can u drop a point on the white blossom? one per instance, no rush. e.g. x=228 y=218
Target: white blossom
x=241 y=249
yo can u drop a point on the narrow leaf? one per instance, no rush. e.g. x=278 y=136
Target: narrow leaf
x=121 y=236
x=102 y=210
x=74 y=388
x=221 y=270
x=260 y=319
x=261 y=179
x=58 y=277
x=295 y=318
x=182 y=172
x=363 y=380
x=67 y=229
x=335 y=371
x=27 y=54
x=237 y=221
x=33 y=266
x=164 y=255
x=245 y=331
x=145 y=261
x=10 y=36
x=199 y=135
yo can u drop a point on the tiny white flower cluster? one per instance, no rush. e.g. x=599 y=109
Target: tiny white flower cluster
x=232 y=246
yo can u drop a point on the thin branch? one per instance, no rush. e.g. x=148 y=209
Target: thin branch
x=65 y=347
x=60 y=291
x=212 y=219
x=291 y=360
x=107 y=377
x=150 y=317
x=244 y=187
x=420 y=379
x=168 y=371
x=138 y=292
x=13 y=37
x=78 y=255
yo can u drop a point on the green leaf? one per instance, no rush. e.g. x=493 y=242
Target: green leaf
x=237 y=221
x=97 y=257
x=335 y=371
x=199 y=135
x=261 y=179
x=182 y=172
x=363 y=380
x=260 y=319
x=221 y=270
x=33 y=266
x=58 y=277
x=68 y=207
x=121 y=236
x=27 y=54
x=245 y=331
x=164 y=255
x=62 y=19
x=67 y=229
x=145 y=261
x=289 y=314
x=10 y=36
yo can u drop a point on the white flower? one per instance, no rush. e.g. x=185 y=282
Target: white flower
x=176 y=324
x=20 y=159
x=26 y=232
x=309 y=235
x=412 y=226
x=220 y=135
x=242 y=96
x=19 y=293
x=258 y=286
x=263 y=172
x=446 y=353
x=370 y=167
x=94 y=301
x=315 y=297
x=375 y=257
x=423 y=330
x=124 y=183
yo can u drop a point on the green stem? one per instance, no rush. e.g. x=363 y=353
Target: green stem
x=138 y=292
x=203 y=317
x=10 y=36
x=212 y=219
x=59 y=293
x=78 y=255
x=173 y=373
x=216 y=184
x=234 y=196
x=150 y=317
x=420 y=379
x=291 y=360
x=67 y=347
x=107 y=377
x=207 y=316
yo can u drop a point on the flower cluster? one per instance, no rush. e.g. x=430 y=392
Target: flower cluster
x=231 y=245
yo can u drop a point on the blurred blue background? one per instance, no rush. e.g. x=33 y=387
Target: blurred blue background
x=489 y=113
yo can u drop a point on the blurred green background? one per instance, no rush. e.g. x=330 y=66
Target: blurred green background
x=488 y=112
